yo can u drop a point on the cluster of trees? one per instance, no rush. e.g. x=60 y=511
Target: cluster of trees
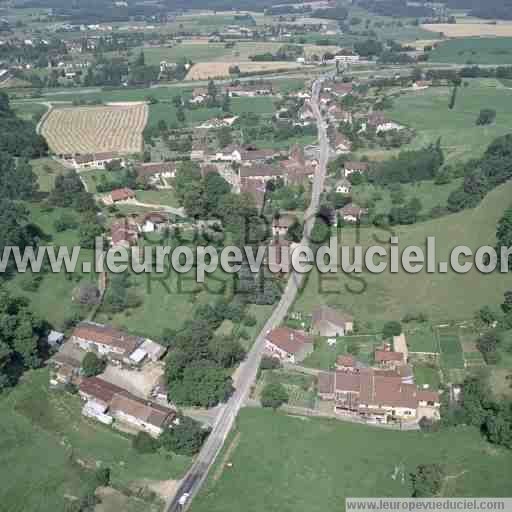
x=486 y=116
x=477 y=407
x=197 y=367
x=18 y=137
x=211 y=197
x=481 y=176
x=286 y=52
x=69 y=192
x=427 y=480
x=369 y=48
x=504 y=233
x=22 y=338
x=120 y=294
x=185 y=438
x=409 y=166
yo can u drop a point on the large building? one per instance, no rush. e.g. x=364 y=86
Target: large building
x=329 y=322
x=107 y=402
x=115 y=344
x=378 y=396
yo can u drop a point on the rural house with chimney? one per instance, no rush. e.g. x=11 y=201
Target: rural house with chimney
x=288 y=345
x=331 y=323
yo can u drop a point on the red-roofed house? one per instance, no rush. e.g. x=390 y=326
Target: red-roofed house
x=119 y=194
x=288 y=344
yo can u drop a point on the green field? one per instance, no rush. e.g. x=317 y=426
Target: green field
x=52 y=300
x=196 y=52
x=430 y=195
x=158 y=197
x=449 y=296
x=450 y=347
x=474 y=50
x=29 y=110
x=422 y=339
x=46 y=170
x=286 y=464
x=427 y=112
x=47 y=444
x=427 y=375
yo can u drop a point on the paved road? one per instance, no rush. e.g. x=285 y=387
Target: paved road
x=246 y=376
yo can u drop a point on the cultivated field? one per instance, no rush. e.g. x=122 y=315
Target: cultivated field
x=290 y=464
x=96 y=129
x=502 y=29
x=206 y=70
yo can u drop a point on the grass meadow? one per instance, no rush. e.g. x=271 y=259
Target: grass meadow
x=474 y=50
x=286 y=463
x=49 y=448
x=427 y=112
x=376 y=298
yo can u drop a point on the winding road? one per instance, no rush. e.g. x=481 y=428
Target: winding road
x=246 y=376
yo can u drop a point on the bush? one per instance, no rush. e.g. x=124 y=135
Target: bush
x=392 y=328
x=274 y=395
x=144 y=443
x=185 y=438
x=92 y=365
x=270 y=363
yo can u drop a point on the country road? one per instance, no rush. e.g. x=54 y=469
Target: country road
x=246 y=376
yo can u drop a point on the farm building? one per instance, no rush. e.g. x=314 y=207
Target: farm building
x=96 y=160
x=107 y=402
x=378 y=396
x=288 y=344
x=352 y=213
x=343 y=186
x=351 y=167
x=153 y=172
x=329 y=322
x=123 y=233
x=154 y=221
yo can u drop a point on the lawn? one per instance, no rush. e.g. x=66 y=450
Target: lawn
x=46 y=444
x=261 y=105
x=422 y=339
x=450 y=347
x=286 y=464
x=427 y=112
x=165 y=197
x=324 y=356
x=427 y=375
x=375 y=298
x=474 y=50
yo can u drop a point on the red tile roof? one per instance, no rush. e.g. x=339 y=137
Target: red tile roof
x=289 y=340
x=106 y=335
x=121 y=194
x=382 y=356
